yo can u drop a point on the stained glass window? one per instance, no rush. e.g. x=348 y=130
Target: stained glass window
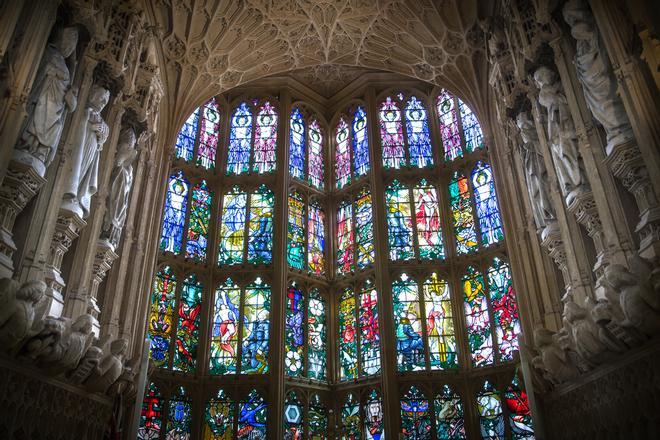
x=477 y=319
x=198 y=223
x=297 y=144
x=185 y=141
x=208 y=135
x=369 y=331
x=364 y=229
x=255 y=333
x=219 y=418
x=265 y=139
x=360 y=143
x=316 y=336
x=171 y=237
x=224 y=333
x=474 y=138
x=505 y=308
x=348 y=345
x=415 y=415
x=345 y=239
x=391 y=134
x=260 y=238
x=293 y=417
x=486 y=202
x=161 y=316
x=294 y=331
x=427 y=221
x=187 y=331
x=252 y=414
x=342 y=154
x=374 y=426
x=449 y=132
x=232 y=227
x=316 y=239
x=315 y=165
x=449 y=422
x=240 y=140
x=408 y=325
x=318 y=419
x=439 y=324
x=490 y=413
x=350 y=419
x=151 y=416
x=419 y=139
x=399 y=222
x=295 y=253
x=520 y=416
x=179 y=416
x=462 y=218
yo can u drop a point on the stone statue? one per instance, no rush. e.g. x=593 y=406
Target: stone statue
x=109 y=369
x=562 y=136
x=88 y=143
x=17 y=311
x=596 y=75
x=120 y=182
x=554 y=361
x=125 y=385
x=587 y=337
x=536 y=174
x=89 y=362
x=52 y=96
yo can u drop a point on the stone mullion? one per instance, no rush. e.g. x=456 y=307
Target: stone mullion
x=412 y=204
x=10 y=12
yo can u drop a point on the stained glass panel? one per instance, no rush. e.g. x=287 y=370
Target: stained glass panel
x=348 y=349
x=255 y=332
x=474 y=138
x=294 y=332
x=462 y=219
x=161 y=316
x=486 y=201
x=451 y=139
x=187 y=331
x=297 y=144
x=415 y=416
x=374 y=426
x=265 y=139
x=315 y=165
x=360 y=143
x=490 y=413
x=252 y=414
x=364 y=229
x=151 y=416
x=369 y=331
x=350 y=419
x=198 y=223
x=295 y=252
x=219 y=417
x=342 y=155
x=399 y=222
x=439 y=324
x=293 y=418
x=408 y=325
x=505 y=308
x=318 y=419
x=345 y=239
x=260 y=239
x=171 y=237
x=232 y=228
x=316 y=239
x=224 y=333
x=520 y=416
x=419 y=139
x=427 y=220
x=185 y=141
x=449 y=422
x=208 y=135
x=179 y=417
x=240 y=140
x=391 y=134
x=477 y=320
x=316 y=336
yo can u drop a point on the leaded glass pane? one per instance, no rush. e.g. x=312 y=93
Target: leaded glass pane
x=316 y=239
x=315 y=166
x=520 y=416
x=219 y=418
x=171 y=237
x=185 y=141
x=208 y=135
x=318 y=419
x=265 y=139
x=369 y=331
x=345 y=239
x=342 y=155
x=316 y=336
x=486 y=201
x=360 y=143
x=350 y=419
x=198 y=222
x=449 y=422
x=348 y=348
x=232 y=227
x=408 y=324
x=391 y=134
x=295 y=252
x=480 y=341
x=399 y=222
x=364 y=230
x=161 y=316
x=374 y=426
x=294 y=332
x=224 y=331
x=439 y=324
x=490 y=413
x=240 y=140
x=449 y=133
x=462 y=219
x=260 y=238
x=252 y=417
x=187 y=331
x=293 y=418
x=427 y=220
x=297 y=144
x=474 y=138
x=415 y=416
x=179 y=416
x=419 y=139
x=505 y=308
x=255 y=333
x=151 y=415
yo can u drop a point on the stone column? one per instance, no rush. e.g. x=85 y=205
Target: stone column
x=10 y=11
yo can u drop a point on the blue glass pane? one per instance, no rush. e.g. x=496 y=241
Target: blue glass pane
x=240 y=140
x=174 y=218
x=419 y=140
x=297 y=145
x=185 y=141
x=360 y=143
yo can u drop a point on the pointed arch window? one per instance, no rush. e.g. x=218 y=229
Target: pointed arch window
x=252 y=140
x=350 y=418
x=151 y=415
x=520 y=416
x=179 y=416
x=374 y=420
x=460 y=131
x=491 y=419
x=293 y=417
x=185 y=140
x=413 y=149
x=219 y=417
x=449 y=421
x=352 y=148
x=252 y=417
x=318 y=418
x=201 y=130
x=306 y=149
x=415 y=415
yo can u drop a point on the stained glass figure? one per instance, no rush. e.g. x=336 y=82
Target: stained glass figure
x=293 y=418
x=488 y=213
x=260 y=238
x=240 y=140
x=480 y=341
x=360 y=143
x=348 y=346
x=252 y=417
x=369 y=331
x=151 y=416
x=265 y=139
x=419 y=139
x=408 y=325
x=208 y=135
x=399 y=222
x=316 y=336
x=439 y=324
x=295 y=251
x=198 y=223
x=185 y=141
x=474 y=138
x=345 y=239
x=316 y=239
x=391 y=134
x=505 y=308
x=219 y=418
x=297 y=144
x=294 y=331
x=520 y=416
x=161 y=316
x=415 y=415
x=224 y=333
x=232 y=227
x=179 y=416
x=374 y=426
x=171 y=237
x=364 y=229
x=342 y=155
x=255 y=333
x=491 y=419
x=315 y=163
x=350 y=419
x=427 y=220
x=318 y=419
x=461 y=211
x=449 y=421
x=449 y=132
x=187 y=330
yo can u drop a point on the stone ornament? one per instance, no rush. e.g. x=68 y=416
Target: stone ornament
x=109 y=369
x=89 y=362
x=52 y=98
x=18 y=310
x=554 y=362
x=89 y=138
